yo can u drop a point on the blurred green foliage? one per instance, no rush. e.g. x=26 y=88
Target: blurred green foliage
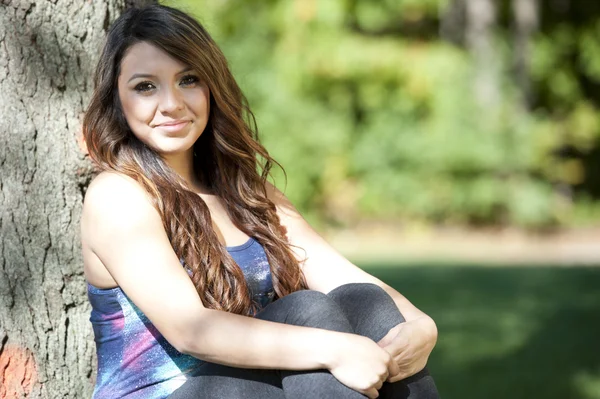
x=517 y=332
x=372 y=114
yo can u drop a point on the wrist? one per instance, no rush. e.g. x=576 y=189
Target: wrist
x=330 y=347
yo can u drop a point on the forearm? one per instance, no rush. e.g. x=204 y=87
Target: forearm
x=246 y=342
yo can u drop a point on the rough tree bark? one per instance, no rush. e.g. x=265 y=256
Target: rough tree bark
x=47 y=54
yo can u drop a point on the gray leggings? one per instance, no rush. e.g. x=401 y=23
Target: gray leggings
x=363 y=309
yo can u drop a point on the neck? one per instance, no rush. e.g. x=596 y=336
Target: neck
x=183 y=165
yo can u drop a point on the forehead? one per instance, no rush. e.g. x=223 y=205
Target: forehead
x=144 y=57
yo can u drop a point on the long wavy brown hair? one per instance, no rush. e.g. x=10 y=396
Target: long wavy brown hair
x=229 y=160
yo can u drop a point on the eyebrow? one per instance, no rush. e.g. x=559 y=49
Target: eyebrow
x=146 y=75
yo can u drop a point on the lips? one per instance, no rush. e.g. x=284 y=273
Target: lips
x=173 y=126
x=173 y=123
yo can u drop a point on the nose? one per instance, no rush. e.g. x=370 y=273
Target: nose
x=170 y=100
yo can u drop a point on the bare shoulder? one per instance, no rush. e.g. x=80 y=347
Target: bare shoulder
x=112 y=202
x=289 y=216
x=112 y=193
x=278 y=198
x=110 y=186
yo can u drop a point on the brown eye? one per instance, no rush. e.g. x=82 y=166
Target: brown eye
x=144 y=87
x=189 y=80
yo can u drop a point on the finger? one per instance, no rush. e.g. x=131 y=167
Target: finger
x=393 y=368
x=372 y=393
x=379 y=384
x=389 y=337
x=396 y=377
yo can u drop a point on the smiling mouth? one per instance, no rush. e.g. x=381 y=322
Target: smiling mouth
x=173 y=127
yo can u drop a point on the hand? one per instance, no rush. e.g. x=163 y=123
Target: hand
x=410 y=345
x=360 y=364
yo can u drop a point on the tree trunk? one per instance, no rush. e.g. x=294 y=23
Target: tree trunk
x=452 y=21
x=481 y=22
x=526 y=22
x=48 y=50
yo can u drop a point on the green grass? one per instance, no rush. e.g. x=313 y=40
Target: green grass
x=508 y=332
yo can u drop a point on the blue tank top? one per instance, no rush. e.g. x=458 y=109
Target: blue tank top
x=134 y=359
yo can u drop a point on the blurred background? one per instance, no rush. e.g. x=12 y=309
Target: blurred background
x=451 y=148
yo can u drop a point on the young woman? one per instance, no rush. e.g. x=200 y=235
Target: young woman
x=204 y=280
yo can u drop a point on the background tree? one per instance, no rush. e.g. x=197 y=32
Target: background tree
x=47 y=54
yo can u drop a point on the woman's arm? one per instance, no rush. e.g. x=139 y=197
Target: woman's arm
x=124 y=230
x=326 y=269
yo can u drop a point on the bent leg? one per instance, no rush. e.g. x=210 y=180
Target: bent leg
x=216 y=381
x=372 y=313
x=310 y=309
x=302 y=308
x=369 y=309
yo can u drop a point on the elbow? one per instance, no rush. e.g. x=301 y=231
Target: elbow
x=192 y=336
x=432 y=330
x=186 y=338
x=181 y=343
x=427 y=328
x=182 y=346
x=193 y=342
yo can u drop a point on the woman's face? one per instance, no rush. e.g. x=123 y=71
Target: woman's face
x=164 y=102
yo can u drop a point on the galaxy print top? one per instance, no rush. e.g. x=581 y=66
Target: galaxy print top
x=134 y=359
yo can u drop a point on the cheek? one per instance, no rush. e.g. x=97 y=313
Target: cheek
x=200 y=101
x=137 y=109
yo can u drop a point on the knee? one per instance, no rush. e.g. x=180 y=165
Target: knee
x=360 y=299
x=361 y=291
x=315 y=309
x=312 y=305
